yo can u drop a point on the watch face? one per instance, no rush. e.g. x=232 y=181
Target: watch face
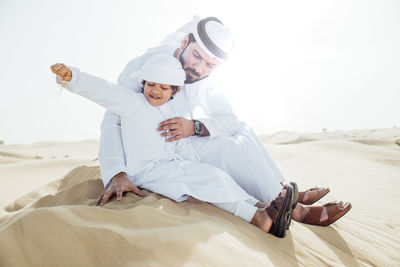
x=197 y=127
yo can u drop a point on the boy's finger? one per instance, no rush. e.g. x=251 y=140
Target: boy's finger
x=54 y=68
x=57 y=69
x=99 y=200
x=62 y=71
x=138 y=192
x=106 y=197
x=119 y=194
x=60 y=68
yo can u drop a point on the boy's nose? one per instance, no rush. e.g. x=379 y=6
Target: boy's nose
x=156 y=93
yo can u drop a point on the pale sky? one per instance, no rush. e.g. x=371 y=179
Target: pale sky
x=297 y=65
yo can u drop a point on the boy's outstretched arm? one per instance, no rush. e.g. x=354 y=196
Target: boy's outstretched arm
x=109 y=95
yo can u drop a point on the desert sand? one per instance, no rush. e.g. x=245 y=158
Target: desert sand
x=48 y=215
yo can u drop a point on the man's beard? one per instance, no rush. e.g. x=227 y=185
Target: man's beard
x=192 y=71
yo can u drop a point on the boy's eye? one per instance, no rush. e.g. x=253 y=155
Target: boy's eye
x=165 y=88
x=151 y=84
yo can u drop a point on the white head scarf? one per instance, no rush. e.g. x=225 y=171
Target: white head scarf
x=212 y=36
x=164 y=69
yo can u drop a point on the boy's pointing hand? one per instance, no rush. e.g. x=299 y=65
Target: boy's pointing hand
x=63 y=71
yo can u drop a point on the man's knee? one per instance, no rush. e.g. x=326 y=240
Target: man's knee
x=232 y=145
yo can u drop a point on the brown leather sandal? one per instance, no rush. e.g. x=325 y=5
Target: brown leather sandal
x=279 y=211
x=321 y=192
x=295 y=200
x=333 y=210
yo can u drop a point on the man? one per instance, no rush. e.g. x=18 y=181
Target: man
x=219 y=140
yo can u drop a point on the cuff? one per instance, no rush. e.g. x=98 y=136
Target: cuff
x=211 y=127
x=106 y=176
x=70 y=85
x=252 y=201
x=245 y=211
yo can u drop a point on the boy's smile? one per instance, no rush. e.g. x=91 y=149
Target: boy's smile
x=158 y=94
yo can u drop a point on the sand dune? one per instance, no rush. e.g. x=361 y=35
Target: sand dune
x=56 y=222
x=25 y=167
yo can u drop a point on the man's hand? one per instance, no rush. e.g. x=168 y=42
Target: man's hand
x=178 y=128
x=118 y=185
x=63 y=71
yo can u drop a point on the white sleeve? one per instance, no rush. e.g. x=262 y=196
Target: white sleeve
x=109 y=95
x=113 y=97
x=221 y=119
x=111 y=150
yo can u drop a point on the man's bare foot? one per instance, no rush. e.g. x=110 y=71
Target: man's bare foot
x=299 y=213
x=262 y=220
x=311 y=195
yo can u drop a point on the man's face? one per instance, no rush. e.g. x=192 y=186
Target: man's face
x=196 y=63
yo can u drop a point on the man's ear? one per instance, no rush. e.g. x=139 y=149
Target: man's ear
x=185 y=42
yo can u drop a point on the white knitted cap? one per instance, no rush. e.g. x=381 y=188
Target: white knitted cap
x=164 y=69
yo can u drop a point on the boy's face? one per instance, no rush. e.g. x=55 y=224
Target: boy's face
x=157 y=93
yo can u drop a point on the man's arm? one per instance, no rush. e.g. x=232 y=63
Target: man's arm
x=180 y=128
x=221 y=119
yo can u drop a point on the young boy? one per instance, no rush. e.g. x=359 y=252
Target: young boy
x=171 y=168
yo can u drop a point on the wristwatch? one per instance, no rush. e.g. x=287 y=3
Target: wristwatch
x=198 y=127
